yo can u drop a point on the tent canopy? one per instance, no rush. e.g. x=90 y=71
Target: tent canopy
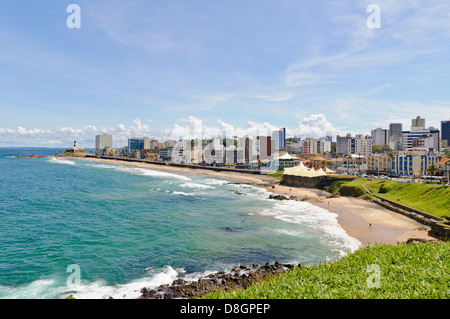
x=303 y=171
x=286 y=156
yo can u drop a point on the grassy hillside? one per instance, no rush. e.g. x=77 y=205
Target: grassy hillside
x=402 y=274
x=433 y=199
x=352 y=188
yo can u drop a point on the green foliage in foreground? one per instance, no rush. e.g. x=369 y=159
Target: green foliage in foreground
x=407 y=271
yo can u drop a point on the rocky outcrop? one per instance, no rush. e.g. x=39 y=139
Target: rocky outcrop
x=238 y=278
x=279 y=197
x=31 y=156
x=285 y=197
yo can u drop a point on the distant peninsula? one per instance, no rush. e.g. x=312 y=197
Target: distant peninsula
x=32 y=156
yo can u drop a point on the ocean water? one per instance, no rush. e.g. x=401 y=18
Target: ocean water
x=126 y=228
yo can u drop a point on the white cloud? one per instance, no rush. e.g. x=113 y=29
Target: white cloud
x=64 y=136
x=316 y=125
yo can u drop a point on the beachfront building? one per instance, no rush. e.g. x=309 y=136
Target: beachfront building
x=165 y=154
x=353 y=164
x=278 y=139
x=379 y=164
x=286 y=161
x=137 y=146
x=443 y=167
x=214 y=151
x=260 y=148
x=413 y=163
x=103 y=144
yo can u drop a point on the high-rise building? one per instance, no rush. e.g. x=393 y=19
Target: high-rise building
x=278 y=139
x=138 y=143
x=395 y=128
x=419 y=135
x=380 y=136
x=445 y=133
x=324 y=145
x=309 y=146
x=359 y=145
x=342 y=144
x=395 y=136
x=417 y=124
x=363 y=145
x=103 y=143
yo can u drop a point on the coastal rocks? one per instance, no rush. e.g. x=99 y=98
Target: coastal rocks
x=278 y=197
x=419 y=240
x=238 y=192
x=30 y=156
x=285 y=197
x=238 y=278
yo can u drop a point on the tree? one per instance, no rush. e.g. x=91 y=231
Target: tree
x=333 y=148
x=432 y=169
x=386 y=149
x=376 y=149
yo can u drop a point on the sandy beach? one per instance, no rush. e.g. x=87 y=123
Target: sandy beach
x=363 y=220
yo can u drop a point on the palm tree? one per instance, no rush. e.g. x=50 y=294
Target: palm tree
x=432 y=169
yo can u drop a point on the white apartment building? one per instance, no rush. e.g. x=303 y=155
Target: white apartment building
x=362 y=145
x=380 y=136
x=103 y=143
x=309 y=146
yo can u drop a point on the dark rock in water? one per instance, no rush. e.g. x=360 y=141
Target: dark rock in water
x=238 y=192
x=418 y=240
x=31 y=156
x=238 y=278
x=278 y=197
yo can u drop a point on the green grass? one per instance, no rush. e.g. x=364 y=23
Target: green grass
x=403 y=275
x=278 y=175
x=433 y=199
x=352 y=188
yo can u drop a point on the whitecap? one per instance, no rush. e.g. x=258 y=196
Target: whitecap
x=197 y=186
x=141 y=171
x=132 y=290
x=61 y=161
x=316 y=220
x=213 y=181
x=39 y=289
x=181 y=193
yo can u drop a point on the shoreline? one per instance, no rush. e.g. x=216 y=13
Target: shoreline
x=353 y=215
x=363 y=220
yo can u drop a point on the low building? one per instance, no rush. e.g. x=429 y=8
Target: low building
x=287 y=161
x=413 y=165
x=353 y=164
x=379 y=164
x=75 y=149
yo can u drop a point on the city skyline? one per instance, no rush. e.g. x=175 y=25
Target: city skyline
x=139 y=69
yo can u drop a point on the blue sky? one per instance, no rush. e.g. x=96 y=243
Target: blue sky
x=146 y=67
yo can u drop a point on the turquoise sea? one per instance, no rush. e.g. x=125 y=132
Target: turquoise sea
x=127 y=228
